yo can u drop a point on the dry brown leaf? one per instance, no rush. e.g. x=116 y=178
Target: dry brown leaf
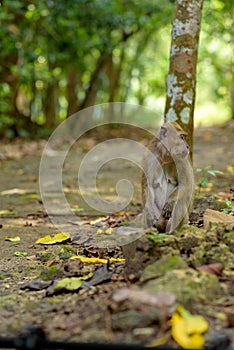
x=214 y=269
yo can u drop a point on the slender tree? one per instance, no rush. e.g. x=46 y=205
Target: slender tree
x=181 y=79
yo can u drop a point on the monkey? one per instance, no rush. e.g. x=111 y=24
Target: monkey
x=167 y=180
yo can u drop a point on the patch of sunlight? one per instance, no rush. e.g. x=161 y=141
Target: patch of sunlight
x=211 y=113
x=18 y=191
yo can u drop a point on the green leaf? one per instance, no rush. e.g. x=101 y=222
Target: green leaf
x=8 y=212
x=204 y=181
x=229 y=204
x=72 y=283
x=214 y=172
x=21 y=254
x=77 y=210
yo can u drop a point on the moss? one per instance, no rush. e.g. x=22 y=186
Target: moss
x=166 y=263
x=50 y=273
x=188 y=285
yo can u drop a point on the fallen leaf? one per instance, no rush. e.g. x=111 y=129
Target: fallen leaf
x=101 y=275
x=214 y=269
x=58 y=238
x=71 y=283
x=52 y=262
x=36 y=284
x=230 y=169
x=107 y=231
x=121 y=213
x=187 y=329
x=8 y=212
x=32 y=257
x=100 y=231
x=96 y=260
x=12 y=239
x=13 y=191
x=20 y=254
x=77 y=210
x=97 y=221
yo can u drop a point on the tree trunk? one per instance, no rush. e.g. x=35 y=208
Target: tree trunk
x=113 y=73
x=232 y=100
x=181 y=80
x=72 y=92
x=50 y=104
x=91 y=92
x=231 y=92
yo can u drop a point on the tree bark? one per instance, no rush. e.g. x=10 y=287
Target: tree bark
x=181 y=80
x=72 y=99
x=232 y=99
x=50 y=104
x=113 y=73
x=91 y=92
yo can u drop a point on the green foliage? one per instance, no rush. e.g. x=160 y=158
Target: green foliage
x=205 y=172
x=43 y=44
x=156 y=237
x=229 y=208
x=215 y=67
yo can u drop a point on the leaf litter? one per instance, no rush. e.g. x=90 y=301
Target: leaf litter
x=91 y=313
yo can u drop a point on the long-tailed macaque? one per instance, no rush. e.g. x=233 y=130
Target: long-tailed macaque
x=167 y=181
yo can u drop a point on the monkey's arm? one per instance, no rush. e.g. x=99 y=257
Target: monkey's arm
x=154 y=195
x=181 y=199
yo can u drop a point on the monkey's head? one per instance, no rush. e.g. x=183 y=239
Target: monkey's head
x=172 y=137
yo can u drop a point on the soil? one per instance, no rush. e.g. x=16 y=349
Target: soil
x=92 y=314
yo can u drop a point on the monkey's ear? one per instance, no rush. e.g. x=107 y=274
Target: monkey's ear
x=163 y=132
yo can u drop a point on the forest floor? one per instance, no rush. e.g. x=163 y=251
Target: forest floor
x=100 y=311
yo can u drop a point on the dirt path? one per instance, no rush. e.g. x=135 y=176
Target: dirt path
x=79 y=316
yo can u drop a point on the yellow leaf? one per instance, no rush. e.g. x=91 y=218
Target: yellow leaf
x=12 y=239
x=58 y=238
x=187 y=329
x=96 y=221
x=100 y=231
x=109 y=231
x=195 y=323
x=72 y=283
x=230 y=169
x=121 y=213
x=95 y=260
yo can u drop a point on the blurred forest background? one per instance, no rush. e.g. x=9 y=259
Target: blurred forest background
x=58 y=57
